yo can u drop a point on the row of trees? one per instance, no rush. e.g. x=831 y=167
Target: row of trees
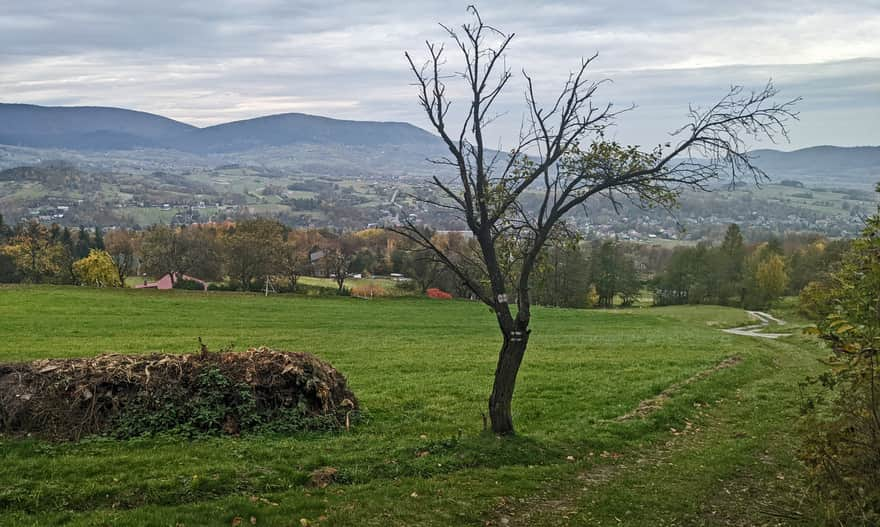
x=244 y=254
x=594 y=274
x=567 y=273
x=247 y=252
x=751 y=276
x=34 y=252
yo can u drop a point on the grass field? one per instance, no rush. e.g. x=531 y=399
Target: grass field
x=388 y=286
x=720 y=449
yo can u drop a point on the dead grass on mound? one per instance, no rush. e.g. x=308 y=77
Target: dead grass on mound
x=128 y=395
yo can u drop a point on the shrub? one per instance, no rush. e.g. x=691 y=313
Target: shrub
x=317 y=290
x=815 y=300
x=438 y=294
x=410 y=286
x=842 y=452
x=188 y=285
x=221 y=286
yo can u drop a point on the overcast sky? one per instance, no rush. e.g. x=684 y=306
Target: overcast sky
x=206 y=62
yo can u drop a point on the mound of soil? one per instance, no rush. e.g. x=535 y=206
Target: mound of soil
x=127 y=395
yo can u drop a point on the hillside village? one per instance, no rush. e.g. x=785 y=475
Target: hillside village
x=197 y=197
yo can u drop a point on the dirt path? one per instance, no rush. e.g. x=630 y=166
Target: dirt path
x=562 y=503
x=746 y=497
x=764 y=319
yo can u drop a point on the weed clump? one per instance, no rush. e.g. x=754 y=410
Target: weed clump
x=205 y=393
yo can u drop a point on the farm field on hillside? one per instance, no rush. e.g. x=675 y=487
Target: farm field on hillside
x=719 y=450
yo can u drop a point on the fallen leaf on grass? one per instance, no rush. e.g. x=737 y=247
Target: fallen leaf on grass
x=255 y=499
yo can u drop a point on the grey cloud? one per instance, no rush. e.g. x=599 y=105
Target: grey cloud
x=207 y=62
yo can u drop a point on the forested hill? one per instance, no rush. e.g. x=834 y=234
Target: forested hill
x=828 y=165
x=84 y=128
x=96 y=128
x=114 y=138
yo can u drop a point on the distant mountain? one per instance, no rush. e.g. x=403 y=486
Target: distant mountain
x=821 y=159
x=96 y=128
x=85 y=127
x=114 y=138
x=298 y=128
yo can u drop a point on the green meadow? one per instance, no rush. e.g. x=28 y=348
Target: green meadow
x=720 y=451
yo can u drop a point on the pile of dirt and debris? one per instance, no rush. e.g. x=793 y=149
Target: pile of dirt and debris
x=129 y=395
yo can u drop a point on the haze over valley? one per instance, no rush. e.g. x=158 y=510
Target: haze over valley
x=116 y=167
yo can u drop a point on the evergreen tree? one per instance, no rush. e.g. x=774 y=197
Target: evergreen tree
x=83 y=243
x=67 y=238
x=68 y=252
x=733 y=245
x=98 y=242
x=733 y=255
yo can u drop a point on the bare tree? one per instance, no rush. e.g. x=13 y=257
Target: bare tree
x=122 y=247
x=562 y=158
x=338 y=255
x=293 y=260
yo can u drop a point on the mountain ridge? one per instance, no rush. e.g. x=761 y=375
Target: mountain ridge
x=113 y=138
x=820 y=160
x=109 y=128
x=36 y=125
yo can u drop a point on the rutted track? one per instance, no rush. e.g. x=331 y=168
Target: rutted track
x=753 y=330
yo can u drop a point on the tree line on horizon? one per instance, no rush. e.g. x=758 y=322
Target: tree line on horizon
x=242 y=255
x=751 y=276
x=571 y=272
